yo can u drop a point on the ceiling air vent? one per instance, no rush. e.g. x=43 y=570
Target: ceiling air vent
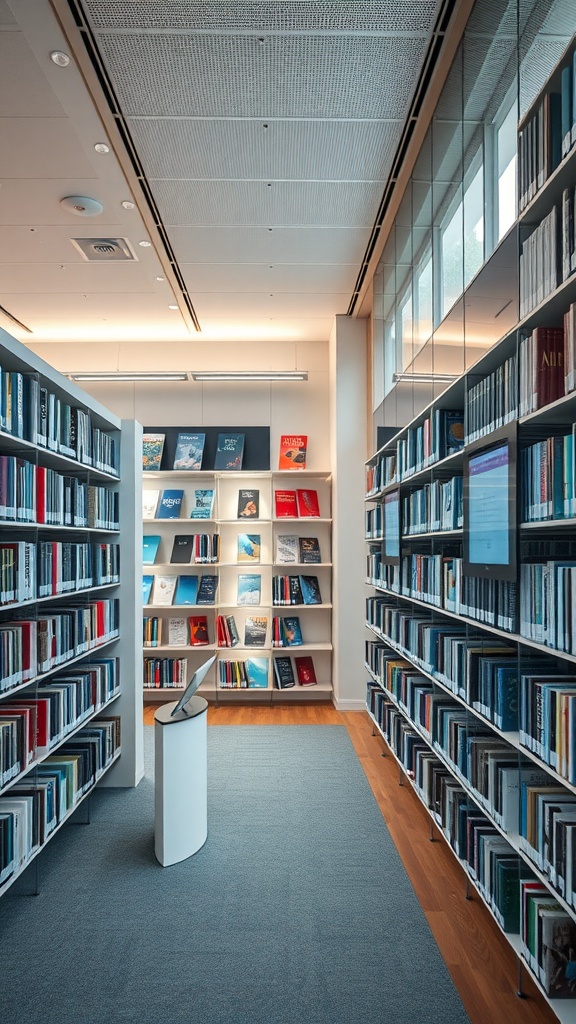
x=104 y=250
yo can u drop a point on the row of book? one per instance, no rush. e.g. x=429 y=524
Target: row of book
x=48 y=568
x=547 y=604
x=35 y=806
x=165 y=673
x=295 y=589
x=493 y=401
x=179 y=590
x=33 y=724
x=439 y=435
x=245 y=674
x=30 y=411
x=540 y=259
x=381 y=473
x=547 y=479
x=191 y=631
x=434 y=507
x=30 y=647
x=30 y=493
x=298 y=671
x=189 y=451
x=171 y=503
x=541 y=144
x=199 y=548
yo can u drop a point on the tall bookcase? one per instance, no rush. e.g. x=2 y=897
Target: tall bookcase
x=70 y=710
x=228 y=526
x=471 y=644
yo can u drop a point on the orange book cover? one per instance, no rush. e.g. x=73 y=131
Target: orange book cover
x=293 y=451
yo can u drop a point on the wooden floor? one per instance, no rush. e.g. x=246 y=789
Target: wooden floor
x=481 y=963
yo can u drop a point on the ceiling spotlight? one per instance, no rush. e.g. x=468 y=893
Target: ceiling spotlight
x=101 y=147
x=82 y=206
x=145 y=243
x=172 y=307
x=60 y=58
x=127 y=204
x=160 y=278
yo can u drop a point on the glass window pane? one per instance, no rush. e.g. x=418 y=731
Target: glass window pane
x=474 y=226
x=451 y=245
x=506 y=166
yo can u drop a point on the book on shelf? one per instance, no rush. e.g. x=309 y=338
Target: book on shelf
x=309 y=550
x=453 y=432
x=307 y=502
x=292 y=454
x=150 y=545
x=226 y=631
x=284 y=677
x=291 y=631
x=189 y=451
x=152 y=448
x=147 y=582
x=305 y=671
x=287 y=550
x=257 y=672
x=170 y=504
x=178 y=635
x=255 y=630
x=285 y=506
x=249 y=588
x=248 y=547
x=182 y=548
x=202 y=503
x=149 y=503
x=186 y=590
x=207 y=589
x=164 y=589
x=198 y=625
x=229 y=452
x=248 y=503
x=310 y=588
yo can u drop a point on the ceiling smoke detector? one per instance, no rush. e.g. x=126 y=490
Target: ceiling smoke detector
x=104 y=250
x=82 y=206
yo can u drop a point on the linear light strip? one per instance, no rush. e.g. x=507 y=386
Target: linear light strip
x=176 y=375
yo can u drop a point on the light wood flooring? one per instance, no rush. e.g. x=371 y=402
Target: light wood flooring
x=480 y=961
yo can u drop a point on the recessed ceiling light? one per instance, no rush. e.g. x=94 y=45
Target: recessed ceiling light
x=160 y=278
x=82 y=206
x=60 y=58
x=172 y=307
x=145 y=243
x=127 y=204
x=101 y=147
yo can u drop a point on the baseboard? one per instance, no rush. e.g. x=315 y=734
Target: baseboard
x=348 y=705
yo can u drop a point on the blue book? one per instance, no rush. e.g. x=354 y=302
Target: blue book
x=186 y=590
x=170 y=504
x=257 y=672
x=189 y=451
x=147 y=582
x=229 y=451
x=292 y=631
x=566 y=108
x=310 y=589
x=506 y=698
x=248 y=547
x=207 y=590
x=202 y=503
x=150 y=547
x=249 y=586
x=573 y=133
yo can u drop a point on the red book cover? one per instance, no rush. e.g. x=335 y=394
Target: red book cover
x=292 y=451
x=285 y=505
x=42 y=718
x=307 y=502
x=198 y=630
x=41 y=494
x=548 y=364
x=305 y=671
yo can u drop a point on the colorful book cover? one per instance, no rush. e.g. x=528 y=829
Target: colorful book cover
x=229 y=452
x=255 y=630
x=186 y=590
x=292 y=631
x=163 y=589
x=305 y=671
x=453 y=422
x=207 y=590
x=152 y=448
x=150 y=547
x=149 y=503
x=283 y=673
x=248 y=547
x=189 y=451
x=177 y=632
x=170 y=504
x=309 y=550
x=292 y=451
x=285 y=506
x=287 y=549
x=198 y=630
x=147 y=582
x=248 y=504
x=202 y=503
x=307 y=502
x=310 y=589
x=232 y=630
x=257 y=672
x=249 y=586
x=182 y=548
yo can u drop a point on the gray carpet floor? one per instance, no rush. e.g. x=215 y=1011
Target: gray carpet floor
x=297 y=909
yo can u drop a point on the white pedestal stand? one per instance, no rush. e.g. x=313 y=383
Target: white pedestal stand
x=181 y=781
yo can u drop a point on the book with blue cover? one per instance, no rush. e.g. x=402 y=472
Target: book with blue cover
x=292 y=632
x=170 y=504
x=186 y=590
x=249 y=586
x=147 y=582
x=229 y=451
x=257 y=672
x=207 y=590
x=152 y=448
x=248 y=547
x=150 y=547
x=189 y=451
x=202 y=503
x=310 y=590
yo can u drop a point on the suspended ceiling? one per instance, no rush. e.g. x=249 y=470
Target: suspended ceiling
x=255 y=141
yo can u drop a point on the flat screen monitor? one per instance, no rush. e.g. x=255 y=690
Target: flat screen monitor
x=391 y=528
x=490 y=508
x=193 y=685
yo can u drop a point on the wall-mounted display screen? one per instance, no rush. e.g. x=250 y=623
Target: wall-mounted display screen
x=391 y=544
x=490 y=510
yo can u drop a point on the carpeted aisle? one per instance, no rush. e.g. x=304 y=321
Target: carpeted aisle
x=297 y=909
